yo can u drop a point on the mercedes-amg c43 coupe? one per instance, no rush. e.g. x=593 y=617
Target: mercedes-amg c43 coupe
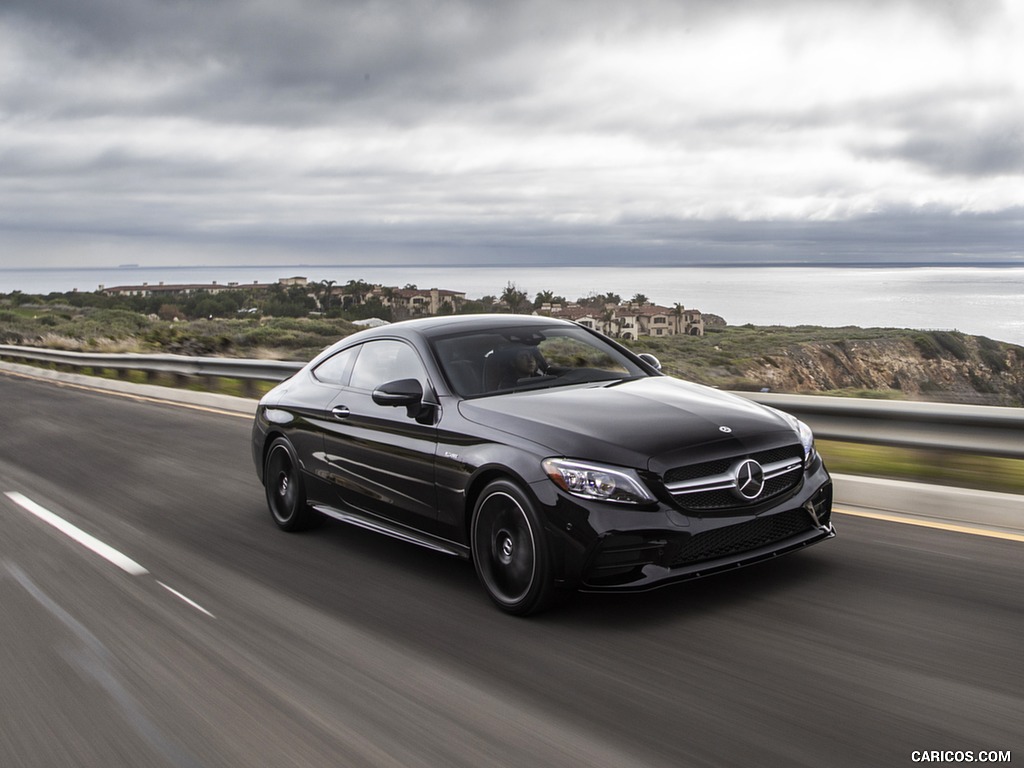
x=549 y=455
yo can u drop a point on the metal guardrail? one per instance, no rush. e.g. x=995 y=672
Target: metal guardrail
x=977 y=429
x=174 y=365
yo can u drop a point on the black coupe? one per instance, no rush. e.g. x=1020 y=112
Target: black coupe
x=551 y=456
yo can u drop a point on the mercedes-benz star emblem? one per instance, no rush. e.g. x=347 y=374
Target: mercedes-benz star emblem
x=749 y=479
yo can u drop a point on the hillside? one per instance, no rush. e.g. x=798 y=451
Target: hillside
x=876 y=362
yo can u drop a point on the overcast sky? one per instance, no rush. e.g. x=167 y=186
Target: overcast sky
x=177 y=132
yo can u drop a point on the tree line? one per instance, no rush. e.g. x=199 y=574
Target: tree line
x=327 y=298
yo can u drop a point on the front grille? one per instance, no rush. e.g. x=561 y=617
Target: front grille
x=736 y=539
x=721 y=495
x=707 y=468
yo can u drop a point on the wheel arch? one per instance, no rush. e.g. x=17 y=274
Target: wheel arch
x=268 y=440
x=484 y=477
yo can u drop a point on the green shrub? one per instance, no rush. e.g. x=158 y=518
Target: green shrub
x=928 y=346
x=952 y=343
x=994 y=359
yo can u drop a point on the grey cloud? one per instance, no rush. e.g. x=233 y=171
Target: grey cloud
x=974 y=133
x=991 y=150
x=315 y=61
x=897 y=235
x=366 y=64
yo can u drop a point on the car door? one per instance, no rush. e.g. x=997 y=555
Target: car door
x=380 y=458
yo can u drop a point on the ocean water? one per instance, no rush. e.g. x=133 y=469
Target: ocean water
x=982 y=301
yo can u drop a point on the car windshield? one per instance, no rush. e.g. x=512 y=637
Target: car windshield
x=506 y=360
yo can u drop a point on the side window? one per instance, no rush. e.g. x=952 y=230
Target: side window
x=334 y=369
x=567 y=352
x=382 y=361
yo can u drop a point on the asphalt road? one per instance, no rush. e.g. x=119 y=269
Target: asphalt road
x=224 y=642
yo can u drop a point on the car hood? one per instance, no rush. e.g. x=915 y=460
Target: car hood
x=650 y=423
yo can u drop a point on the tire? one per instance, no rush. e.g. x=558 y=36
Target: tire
x=286 y=495
x=510 y=551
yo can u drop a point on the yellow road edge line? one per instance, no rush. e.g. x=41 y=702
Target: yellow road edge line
x=922 y=523
x=128 y=395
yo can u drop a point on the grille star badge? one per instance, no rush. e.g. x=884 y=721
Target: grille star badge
x=749 y=479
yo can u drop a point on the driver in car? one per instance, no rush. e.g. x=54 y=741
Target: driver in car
x=523 y=364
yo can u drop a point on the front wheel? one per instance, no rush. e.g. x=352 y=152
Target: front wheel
x=510 y=551
x=286 y=495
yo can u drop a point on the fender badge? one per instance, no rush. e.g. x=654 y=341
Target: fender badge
x=727 y=430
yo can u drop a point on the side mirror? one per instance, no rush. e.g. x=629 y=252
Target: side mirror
x=407 y=392
x=651 y=360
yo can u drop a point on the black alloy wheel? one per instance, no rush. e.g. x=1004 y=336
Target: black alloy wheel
x=286 y=496
x=509 y=550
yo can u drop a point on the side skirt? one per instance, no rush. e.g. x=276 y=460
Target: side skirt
x=395 y=531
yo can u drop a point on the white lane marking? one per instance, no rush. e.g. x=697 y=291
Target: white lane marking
x=88 y=541
x=105 y=551
x=193 y=603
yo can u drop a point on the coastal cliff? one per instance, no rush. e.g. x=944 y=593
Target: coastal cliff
x=942 y=366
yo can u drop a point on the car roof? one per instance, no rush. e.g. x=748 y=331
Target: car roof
x=435 y=326
x=439 y=326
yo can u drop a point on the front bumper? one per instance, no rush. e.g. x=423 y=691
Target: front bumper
x=603 y=548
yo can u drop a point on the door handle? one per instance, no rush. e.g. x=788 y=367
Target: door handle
x=340 y=412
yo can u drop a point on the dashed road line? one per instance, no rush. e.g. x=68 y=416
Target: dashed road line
x=93 y=544
x=88 y=541
x=191 y=602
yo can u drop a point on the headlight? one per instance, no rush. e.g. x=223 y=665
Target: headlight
x=806 y=440
x=596 y=481
x=805 y=435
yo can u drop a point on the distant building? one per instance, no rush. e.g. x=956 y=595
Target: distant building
x=631 y=321
x=414 y=302
x=187 y=289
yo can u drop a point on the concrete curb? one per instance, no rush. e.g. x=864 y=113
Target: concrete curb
x=936 y=503
x=1001 y=511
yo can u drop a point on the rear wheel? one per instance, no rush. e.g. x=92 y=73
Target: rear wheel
x=510 y=552
x=286 y=495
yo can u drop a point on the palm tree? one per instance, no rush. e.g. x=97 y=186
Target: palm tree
x=544 y=297
x=607 y=316
x=677 y=312
x=514 y=298
x=324 y=294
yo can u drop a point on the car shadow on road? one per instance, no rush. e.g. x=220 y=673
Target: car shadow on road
x=378 y=574
x=774 y=579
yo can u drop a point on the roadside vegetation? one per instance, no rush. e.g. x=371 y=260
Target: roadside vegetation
x=987 y=473
x=62 y=325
